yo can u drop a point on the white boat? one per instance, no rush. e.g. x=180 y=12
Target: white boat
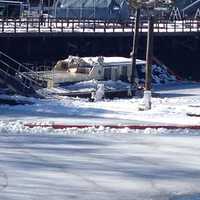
x=76 y=69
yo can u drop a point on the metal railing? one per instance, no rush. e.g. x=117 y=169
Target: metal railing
x=18 y=77
x=55 y=25
x=14 y=67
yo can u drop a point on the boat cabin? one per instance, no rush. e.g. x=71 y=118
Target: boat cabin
x=75 y=69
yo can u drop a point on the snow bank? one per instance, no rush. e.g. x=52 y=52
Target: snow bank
x=17 y=127
x=160 y=75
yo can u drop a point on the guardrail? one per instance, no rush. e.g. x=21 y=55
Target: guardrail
x=18 y=77
x=14 y=68
x=54 y=25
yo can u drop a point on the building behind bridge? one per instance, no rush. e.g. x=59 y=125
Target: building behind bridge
x=92 y=9
x=188 y=8
x=12 y=8
x=89 y=9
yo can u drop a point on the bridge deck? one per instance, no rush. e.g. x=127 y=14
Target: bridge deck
x=51 y=27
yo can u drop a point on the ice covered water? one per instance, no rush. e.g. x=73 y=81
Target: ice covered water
x=99 y=163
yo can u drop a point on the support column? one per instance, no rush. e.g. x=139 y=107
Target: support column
x=149 y=57
x=149 y=54
x=135 y=45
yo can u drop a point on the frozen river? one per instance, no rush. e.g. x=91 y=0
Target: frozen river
x=100 y=164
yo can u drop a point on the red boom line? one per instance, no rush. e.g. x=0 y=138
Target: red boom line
x=62 y=126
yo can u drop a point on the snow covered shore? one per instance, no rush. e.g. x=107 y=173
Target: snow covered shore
x=170 y=107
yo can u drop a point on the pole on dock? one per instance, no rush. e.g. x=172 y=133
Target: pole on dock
x=41 y=7
x=149 y=57
x=135 y=45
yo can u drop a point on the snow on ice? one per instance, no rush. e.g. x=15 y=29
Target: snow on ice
x=102 y=163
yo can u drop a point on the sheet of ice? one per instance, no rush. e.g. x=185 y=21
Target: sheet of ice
x=102 y=164
x=86 y=86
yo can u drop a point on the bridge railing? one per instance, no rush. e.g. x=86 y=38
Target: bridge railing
x=17 y=70
x=54 y=25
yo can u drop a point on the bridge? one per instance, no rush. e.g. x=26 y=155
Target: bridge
x=37 y=42
x=52 y=26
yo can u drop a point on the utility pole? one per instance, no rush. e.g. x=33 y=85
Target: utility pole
x=148 y=5
x=135 y=45
x=149 y=57
x=41 y=7
x=149 y=53
x=49 y=5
